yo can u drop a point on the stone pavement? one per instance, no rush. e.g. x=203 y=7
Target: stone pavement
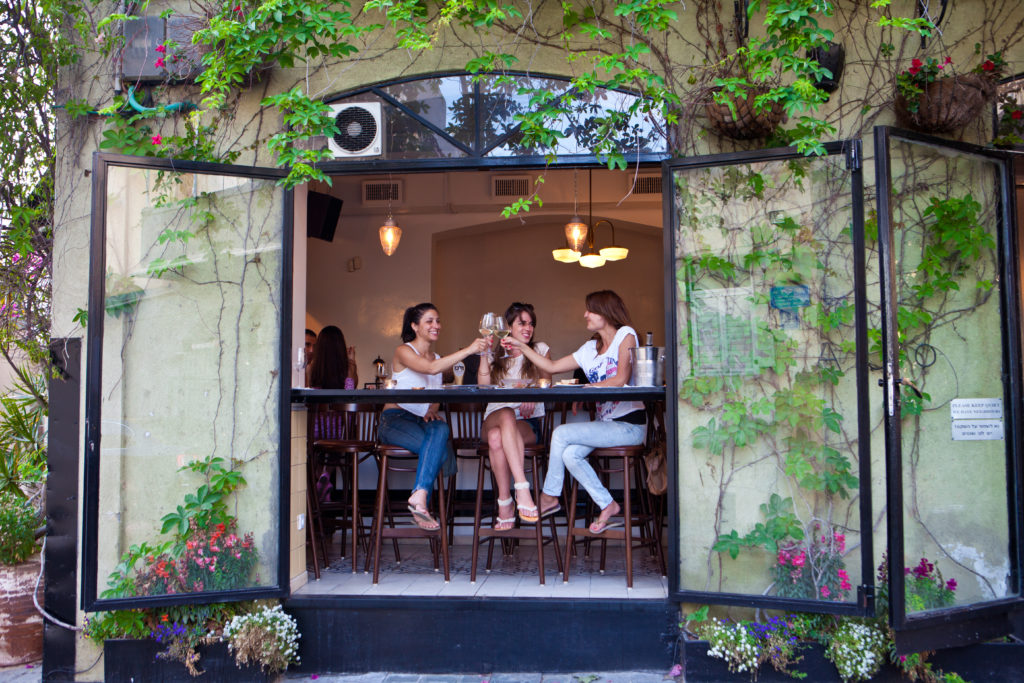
x=33 y=674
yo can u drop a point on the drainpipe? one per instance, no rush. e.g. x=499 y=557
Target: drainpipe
x=185 y=106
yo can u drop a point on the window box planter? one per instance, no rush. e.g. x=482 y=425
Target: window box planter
x=982 y=662
x=136 y=660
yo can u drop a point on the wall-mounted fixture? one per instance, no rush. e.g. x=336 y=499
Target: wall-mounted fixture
x=831 y=56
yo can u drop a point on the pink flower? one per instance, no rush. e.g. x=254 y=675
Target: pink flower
x=161 y=48
x=949 y=60
x=840 y=540
x=158 y=139
x=783 y=557
x=799 y=560
x=159 y=63
x=951 y=585
x=825 y=591
x=676 y=671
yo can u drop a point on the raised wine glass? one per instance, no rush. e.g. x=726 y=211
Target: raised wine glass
x=501 y=331
x=486 y=328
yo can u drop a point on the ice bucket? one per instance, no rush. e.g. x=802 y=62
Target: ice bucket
x=648 y=366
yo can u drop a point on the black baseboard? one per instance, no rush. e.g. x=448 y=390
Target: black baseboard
x=406 y=634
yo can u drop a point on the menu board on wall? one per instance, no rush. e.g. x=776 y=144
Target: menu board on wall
x=724 y=332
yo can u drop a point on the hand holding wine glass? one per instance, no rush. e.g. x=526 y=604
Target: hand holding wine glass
x=486 y=327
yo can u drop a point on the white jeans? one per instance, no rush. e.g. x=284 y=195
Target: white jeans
x=571 y=443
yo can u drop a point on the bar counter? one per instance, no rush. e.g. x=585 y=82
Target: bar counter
x=471 y=393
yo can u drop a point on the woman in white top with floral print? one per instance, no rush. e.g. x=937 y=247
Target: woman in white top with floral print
x=606 y=361
x=510 y=427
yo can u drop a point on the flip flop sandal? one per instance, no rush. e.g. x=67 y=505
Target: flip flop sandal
x=423 y=519
x=527 y=514
x=503 y=502
x=553 y=510
x=599 y=528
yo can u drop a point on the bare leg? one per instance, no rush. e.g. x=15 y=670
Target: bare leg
x=500 y=468
x=515 y=434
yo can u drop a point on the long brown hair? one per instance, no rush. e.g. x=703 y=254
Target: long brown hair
x=329 y=366
x=501 y=365
x=609 y=306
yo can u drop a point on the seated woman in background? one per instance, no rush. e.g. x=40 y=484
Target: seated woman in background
x=332 y=362
x=509 y=427
x=418 y=427
x=606 y=361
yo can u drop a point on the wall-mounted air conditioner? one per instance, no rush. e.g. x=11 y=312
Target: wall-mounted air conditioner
x=360 y=130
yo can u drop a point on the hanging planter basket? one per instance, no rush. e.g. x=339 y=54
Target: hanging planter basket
x=747 y=123
x=946 y=104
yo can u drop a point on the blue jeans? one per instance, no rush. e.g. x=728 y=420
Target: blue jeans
x=427 y=439
x=572 y=442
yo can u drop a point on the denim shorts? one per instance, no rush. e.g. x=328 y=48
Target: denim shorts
x=535 y=423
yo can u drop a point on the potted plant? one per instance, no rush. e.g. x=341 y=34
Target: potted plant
x=931 y=97
x=743 y=113
x=22 y=472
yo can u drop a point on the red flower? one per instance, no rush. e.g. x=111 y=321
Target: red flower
x=238 y=9
x=988 y=65
x=161 y=48
x=949 y=60
x=157 y=139
x=164 y=618
x=159 y=63
x=1016 y=114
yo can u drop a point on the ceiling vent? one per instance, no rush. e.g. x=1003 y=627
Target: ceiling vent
x=359 y=130
x=503 y=186
x=646 y=185
x=382 y=192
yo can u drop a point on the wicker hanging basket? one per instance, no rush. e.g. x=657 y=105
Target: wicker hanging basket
x=747 y=123
x=946 y=104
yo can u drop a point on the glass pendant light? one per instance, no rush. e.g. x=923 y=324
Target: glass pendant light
x=390 y=235
x=576 y=229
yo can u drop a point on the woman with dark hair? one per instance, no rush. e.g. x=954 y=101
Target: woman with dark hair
x=509 y=427
x=333 y=362
x=606 y=361
x=418 y=427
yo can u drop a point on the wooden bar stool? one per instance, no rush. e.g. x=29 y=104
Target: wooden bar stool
x=394 y=459
x=534 y=455
x=625 y=461
x=464 y=420
x=343 y=436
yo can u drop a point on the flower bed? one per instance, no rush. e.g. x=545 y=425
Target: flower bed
x=136 y=660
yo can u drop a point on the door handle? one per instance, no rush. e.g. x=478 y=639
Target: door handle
x=905 y=382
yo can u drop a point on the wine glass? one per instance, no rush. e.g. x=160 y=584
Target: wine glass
x=300 y=364
x=501 y=331
x=486 y=327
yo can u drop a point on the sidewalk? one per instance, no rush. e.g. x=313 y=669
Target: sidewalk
x=33 y=674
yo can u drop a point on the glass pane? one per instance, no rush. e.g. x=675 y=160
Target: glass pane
x=768 y=474
x=955 y=516
x=191 y=371
x=447 y=103
x=504 y=98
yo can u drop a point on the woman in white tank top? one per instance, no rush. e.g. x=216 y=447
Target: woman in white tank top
x=419 y=427
x=509 y=427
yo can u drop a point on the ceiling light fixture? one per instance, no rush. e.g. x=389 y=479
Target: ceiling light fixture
x=578 y=235
x=390 y=234
x=575 y=229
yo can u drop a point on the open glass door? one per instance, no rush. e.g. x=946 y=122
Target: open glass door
x=771 y=432
x=187 y=398
x=950 y=346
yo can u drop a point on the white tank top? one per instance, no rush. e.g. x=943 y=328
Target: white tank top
x=407 y=378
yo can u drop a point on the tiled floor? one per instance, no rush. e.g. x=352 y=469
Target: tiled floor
x=513 y=575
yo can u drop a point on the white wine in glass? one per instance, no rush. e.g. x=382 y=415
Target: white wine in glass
x=501 y=331
x=486 y=327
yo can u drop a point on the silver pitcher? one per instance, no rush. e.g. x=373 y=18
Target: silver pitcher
x=648 y=366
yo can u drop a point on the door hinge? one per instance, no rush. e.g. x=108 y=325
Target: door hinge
x=853 y=156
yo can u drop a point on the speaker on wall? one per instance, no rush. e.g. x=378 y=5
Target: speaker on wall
x=322 y=214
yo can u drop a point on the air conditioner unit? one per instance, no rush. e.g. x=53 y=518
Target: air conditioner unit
x=360 y=130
